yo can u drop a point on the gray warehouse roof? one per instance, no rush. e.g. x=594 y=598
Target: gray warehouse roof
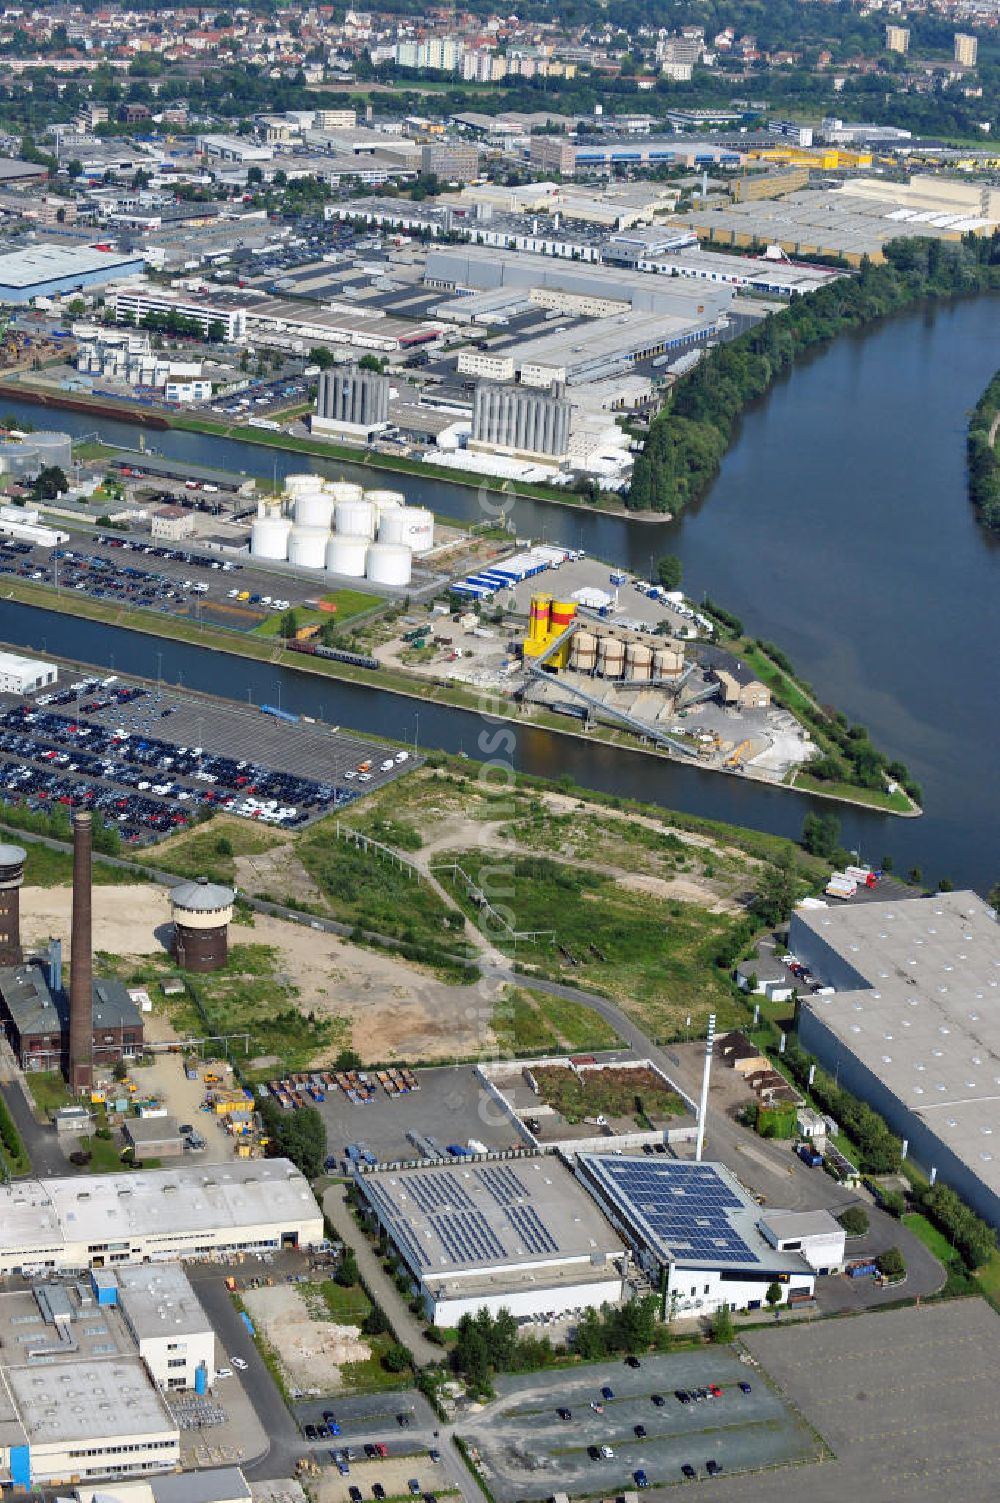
x=921 y=1010
x=46 y=263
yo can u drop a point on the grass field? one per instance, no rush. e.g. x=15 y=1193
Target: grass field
x=610 y=1093
x=211 y=852
x=654 y=956
x=48 y=868
x=929 y=1236
x=349 y=603
x=527 y=1022
x=48 y=1090
x=348 y=1307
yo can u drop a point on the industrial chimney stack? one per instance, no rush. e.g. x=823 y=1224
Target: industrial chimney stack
x=81 y=1000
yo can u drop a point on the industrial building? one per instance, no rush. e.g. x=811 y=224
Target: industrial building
x=24 y=455
x=295 y=324
x=56 y=270
x=695 y=1226
x=172 y=1333
x=351 y=402
x=35 y=1020
x=451 y=160
x=518 y=1235
x=202 y=912
x=913 y=1026
x=556 y=154
x=155 y=1215
x=20 y=675
x=527 y=424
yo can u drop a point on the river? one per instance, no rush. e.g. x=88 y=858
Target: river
x=838 y=528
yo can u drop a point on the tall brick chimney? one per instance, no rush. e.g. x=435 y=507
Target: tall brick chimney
x=81 y=1000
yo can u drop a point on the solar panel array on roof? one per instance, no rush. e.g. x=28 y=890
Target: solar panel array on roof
x=685 y=1206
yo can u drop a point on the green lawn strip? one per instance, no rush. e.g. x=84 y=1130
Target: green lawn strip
x=346 y=1307
x=578 y=1026
x=519 y=1026
x=212 y=852
x=988 y=1278
x=105 y=1155
x=48 y=1090
x=878 y=798
x=929 y=1235
x=349 y=603
x=369 y=1376
x=13 y=1153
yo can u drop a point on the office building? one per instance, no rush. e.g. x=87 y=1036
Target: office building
x=897 y=38
x=49 y=270
x=913 y=1026
x=525 y=424
x=156 y=1215
x=351 y=401
x=450 y=160
x=131 y=305
x=966 y=49
x=694 y=1226
x=172 y=1333
x=520 y=1236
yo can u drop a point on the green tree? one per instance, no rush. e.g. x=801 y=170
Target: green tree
x=670 y=571
x=854 y=1221
x=891 y=1264
x=371 y=363
x=376 y=1322
x=120 y=1071
x=397 y=1359
x=49 y=483
x=773 y=1297
x=821 y=835
x=288 y=625
x=721 y=1330
x=347 y=1273
x=777 y=890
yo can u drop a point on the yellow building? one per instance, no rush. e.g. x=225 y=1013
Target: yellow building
x=548 y=620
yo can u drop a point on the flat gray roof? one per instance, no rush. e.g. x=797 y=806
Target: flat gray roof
x=159 y=1301
x=482 y=1216
x=95 y=1400
x=222 y=1483
x=47 y=263
x=924 y=1017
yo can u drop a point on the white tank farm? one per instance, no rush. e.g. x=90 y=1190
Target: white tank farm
x=383 y=499
x=412 y=526
x=307 y=547
x=388 y=564
x=269 y=533
x=355 y=518
x=299 y=485
x=347 y=555
x=314 y=509
x=52 y=448
x=344 y=490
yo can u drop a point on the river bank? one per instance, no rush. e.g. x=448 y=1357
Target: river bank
x=387 y=681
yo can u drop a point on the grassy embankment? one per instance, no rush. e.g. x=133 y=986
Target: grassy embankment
x=348 y=605
x=983 y=461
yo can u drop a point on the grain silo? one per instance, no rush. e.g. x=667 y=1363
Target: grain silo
x=583 y=652
x=639 y=661
x=611 y=657
x=346 y=555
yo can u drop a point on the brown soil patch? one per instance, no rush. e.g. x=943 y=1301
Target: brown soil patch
x=311 y=1351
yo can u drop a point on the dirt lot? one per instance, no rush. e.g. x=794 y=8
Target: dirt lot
x=310 y=1350
x=397 y=1010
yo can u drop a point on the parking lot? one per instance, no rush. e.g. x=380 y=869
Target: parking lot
x=449 y=1108
x=899 y=1396
x=529 y=1451
x=147 y=758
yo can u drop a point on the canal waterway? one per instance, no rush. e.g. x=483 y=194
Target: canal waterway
x=839 y=528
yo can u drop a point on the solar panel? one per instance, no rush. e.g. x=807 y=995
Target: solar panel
x=503 y=1184
x=684 y=1205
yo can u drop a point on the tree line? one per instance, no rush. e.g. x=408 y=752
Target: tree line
x=689 y=436
x=984 y=468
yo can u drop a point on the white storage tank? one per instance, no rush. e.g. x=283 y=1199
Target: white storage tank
x=346 y=555
x=388 y=564
x=355 y=518
x=344 y=490
x=269 y=533
x=314 y=509
x=307 y=547
x=383 y=499
x=411 y=525
x=299 y=485
x=52 y=448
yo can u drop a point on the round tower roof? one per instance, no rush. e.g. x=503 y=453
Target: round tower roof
x=11 y=855
x=202 y=896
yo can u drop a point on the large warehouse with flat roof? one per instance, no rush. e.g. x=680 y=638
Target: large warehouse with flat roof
x=518 y=1235
x=44 y=270
x=155 y=1215
x=913 y=1026
x=695 y=1224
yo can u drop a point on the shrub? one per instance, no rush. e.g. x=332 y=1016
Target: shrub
x=854 y=1221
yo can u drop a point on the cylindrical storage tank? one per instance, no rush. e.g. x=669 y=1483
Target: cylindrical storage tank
x=202 y=912
x=299 y=485
x=201 y=1379
x=355 y=518
x=307 y=547
x=314 y=509
x=345 y=490
x=539 y=617
x=412 y=525
x=388 y=564
x=17 y=459
x=611 y=657
x=346 y=555
x=269 y=536
x=583 y=652
x=638 y=660
x=12 y=859
x=666 y=662
x=53 y=448
x=383 y=498
x=563 y=613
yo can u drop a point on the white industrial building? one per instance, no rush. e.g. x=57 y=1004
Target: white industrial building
x=19 y=675
x=155 y=1215
x=912 y=1026
x=173 y=1334
x=695 y=1225
x=132 y=303
x=817 y=1235
x=519 y=1235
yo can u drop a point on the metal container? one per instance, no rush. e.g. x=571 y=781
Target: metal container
x=269 y=535
x=300 y=485
x=314 y=509
x=355 y=518
x=346 y=555
x=344 y=490
x=307 y=547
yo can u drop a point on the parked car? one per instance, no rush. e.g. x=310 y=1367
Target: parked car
x=689 y=1471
